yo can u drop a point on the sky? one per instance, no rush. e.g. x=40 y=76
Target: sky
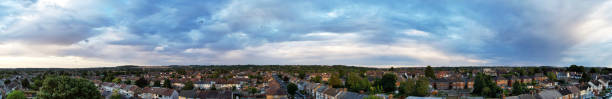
x=97 y=33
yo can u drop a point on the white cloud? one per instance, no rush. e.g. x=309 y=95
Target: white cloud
x=414 y=32
x=344 y=51
x=595 y=39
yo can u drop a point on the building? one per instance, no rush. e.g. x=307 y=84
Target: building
x=457 y=84
x=540 y=77
x=351 y=95
x=215 y=95
x=501 y=81
x=159 y=93
x=441 y=84
x=549 y=94
x=188 y=94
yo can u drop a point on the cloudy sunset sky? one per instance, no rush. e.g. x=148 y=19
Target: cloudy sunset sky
x=94 y=33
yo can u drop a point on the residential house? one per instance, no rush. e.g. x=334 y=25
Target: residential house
x=563 y=75
x=351 y=95
x=441 y=84
x=586 y=92
x=457 y=83
x=540 y=77
x=188 y=94
x=215 y=94
x=513 y=79
x=595 y=86
x=470 y=83
x=549 y=94
x=501 y=81
x=331 y=93
x=159 y=93
x=526 y=79
x=442 y=74
x=319 y=93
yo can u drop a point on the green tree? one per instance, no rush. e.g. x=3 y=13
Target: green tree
x=252 y=90
x=317 y=79
x=422 y=87
x=388 y=82
x=167 y=84
x=594 y=71
x=188 y=86
x=25 y=83
x=6 y=82
x=142 y=82
x=376 y=89
x=292 y=88
x=355 y=83
x=129 y=82
x=586 y=77
x=117 y=80
x=68 y=88
x=335 y=81
x=115 y=95
x=429 y=72
x=17 y=94
x=372 y=97
x=518 y=88
x=302 y=75
x=484 y=86
x=407 y=87
x=551 y=76
x=157 y=83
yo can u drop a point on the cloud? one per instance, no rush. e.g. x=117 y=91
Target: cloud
x=307 y=32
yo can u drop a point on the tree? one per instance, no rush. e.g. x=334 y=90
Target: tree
x=142 y=82
x=285 y=78
x=252 y=90
x=292 y=88
x=316 y=79
x=6 y=82
x=574 y=68
x=407 y=87
x=25 y=83
x=355 y=83
x=483 y=86
x=117 y=80
x=372 y=97
x=586 y=77
x=129 y=82
x=213 y=87
x=188 y=86
x=115 y=95
x=376 y=89
x=181 y=71
x=167 y=84
x=335 y=81
x=551 y=76
x=17 y=94
x=422 y=87
x=518 y=88
x=429 y=72
x=302 y=75
x=594 y=71
x=68 y=88
x=388 y=82
x=157 y=83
